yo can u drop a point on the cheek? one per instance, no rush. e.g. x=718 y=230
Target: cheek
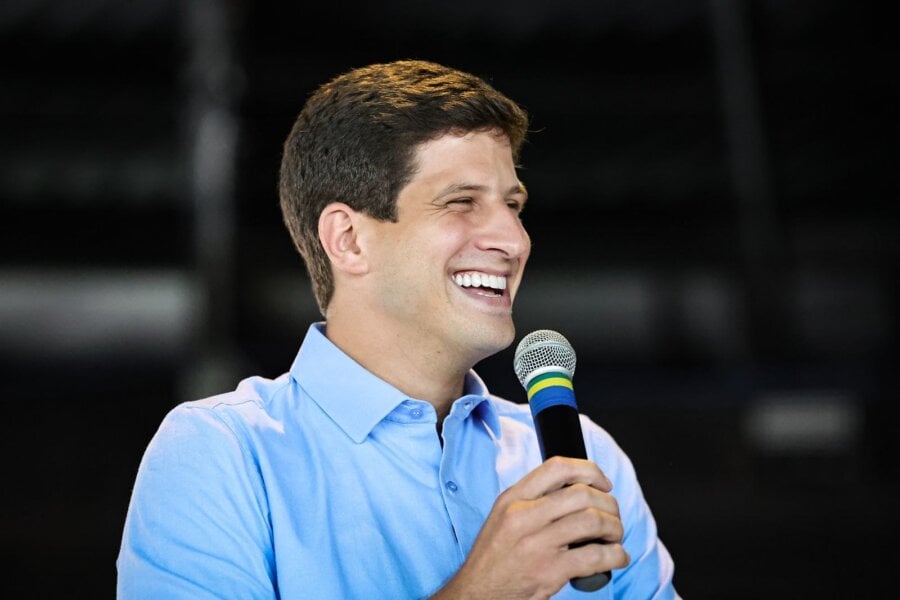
x=411 y=270
x=452 y=240
x=437 y=246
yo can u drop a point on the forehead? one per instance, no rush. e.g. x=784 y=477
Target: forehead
x=484 y=154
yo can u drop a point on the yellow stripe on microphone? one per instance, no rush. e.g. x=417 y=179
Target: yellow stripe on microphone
x=549 y=382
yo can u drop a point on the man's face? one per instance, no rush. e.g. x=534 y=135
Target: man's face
x=447 y=271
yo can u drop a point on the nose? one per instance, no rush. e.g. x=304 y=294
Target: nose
x=503 y=231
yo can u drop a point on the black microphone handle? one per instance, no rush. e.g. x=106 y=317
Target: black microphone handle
x=559 y=434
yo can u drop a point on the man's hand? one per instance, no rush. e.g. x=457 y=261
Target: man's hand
x=523 y=549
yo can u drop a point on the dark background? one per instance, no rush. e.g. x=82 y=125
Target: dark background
x=713 y=211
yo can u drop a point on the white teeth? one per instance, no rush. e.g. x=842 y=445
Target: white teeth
x=496 y=282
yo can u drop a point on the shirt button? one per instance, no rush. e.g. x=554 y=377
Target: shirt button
x=468 y=404
x=416 y=413
x=452 y=486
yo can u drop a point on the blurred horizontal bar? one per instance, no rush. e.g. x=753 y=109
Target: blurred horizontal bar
x=805 y=422
x=96 y=313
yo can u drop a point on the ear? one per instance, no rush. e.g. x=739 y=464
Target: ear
x=339 y=233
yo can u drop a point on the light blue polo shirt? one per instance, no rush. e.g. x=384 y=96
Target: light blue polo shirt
x=327 y=482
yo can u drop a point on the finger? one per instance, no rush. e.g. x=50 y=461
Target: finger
x=577 y=497
x=558 y=472
x=572 y=499
x=594 y=558
x=587 y=525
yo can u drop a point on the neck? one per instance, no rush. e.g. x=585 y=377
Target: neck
x=422 y=370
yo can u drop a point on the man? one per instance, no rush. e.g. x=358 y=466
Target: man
x=380 y=466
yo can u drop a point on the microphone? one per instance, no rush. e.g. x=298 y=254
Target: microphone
x=545 y=365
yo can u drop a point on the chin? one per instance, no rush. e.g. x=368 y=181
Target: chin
x=489 y=341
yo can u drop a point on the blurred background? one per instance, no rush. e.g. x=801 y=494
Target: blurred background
x=715 y=226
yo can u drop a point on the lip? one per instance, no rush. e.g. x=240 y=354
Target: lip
x=503 y=273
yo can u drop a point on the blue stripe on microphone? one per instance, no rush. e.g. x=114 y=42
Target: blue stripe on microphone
x=552 y=396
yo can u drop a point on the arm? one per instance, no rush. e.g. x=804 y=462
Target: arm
x=197 y=525
x=651 y=571
x=522 y=550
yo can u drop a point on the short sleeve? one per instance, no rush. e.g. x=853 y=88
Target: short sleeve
x=197 y=526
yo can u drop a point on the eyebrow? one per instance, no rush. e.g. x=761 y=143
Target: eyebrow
x=454 y=188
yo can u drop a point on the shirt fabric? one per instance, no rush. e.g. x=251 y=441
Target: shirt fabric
x=328 y=482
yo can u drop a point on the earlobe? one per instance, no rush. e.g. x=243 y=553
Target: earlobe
x=338 y=233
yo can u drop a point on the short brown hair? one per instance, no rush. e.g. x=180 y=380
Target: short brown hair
x=356 y=137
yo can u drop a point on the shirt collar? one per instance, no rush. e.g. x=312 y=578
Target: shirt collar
x=475 y=388
x=356 y=399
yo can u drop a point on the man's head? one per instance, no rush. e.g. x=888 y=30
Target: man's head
x=355 y=142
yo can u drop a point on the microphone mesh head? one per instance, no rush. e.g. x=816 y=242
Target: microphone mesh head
x=543 y=348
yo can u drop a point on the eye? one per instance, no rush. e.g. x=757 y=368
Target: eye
x=515 y=205
x=463 y=201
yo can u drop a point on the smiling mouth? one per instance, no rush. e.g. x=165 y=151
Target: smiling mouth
x=481 y=283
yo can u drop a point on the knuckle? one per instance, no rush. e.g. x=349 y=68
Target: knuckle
x=530 y=546
x=589 y=520
x=620 y=555
x=558 y=464
x=593 y=558
x=514 y=519
x=613 y=506
x=504 y=498
x=587 y=559
x=618 y=529
x=601 y=524
x=595 y=554
x=583 y=494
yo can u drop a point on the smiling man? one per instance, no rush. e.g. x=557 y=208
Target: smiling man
x=380 y=466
